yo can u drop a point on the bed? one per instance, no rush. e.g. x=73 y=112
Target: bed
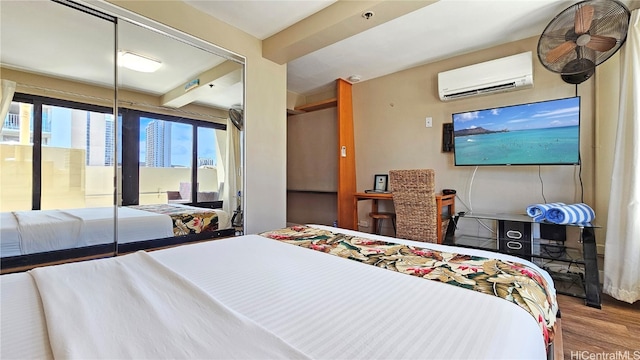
x=33 y=237
x=270 y=295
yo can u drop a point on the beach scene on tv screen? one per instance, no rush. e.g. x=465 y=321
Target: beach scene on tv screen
x=536 y=133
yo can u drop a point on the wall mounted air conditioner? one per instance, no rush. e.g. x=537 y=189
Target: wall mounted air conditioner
x=505 y=74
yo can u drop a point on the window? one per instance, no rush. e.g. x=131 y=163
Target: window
x=16 y=152
x=56 y=155
x=59 y=154
x=77 y=153
x=167 y=159
x=210 y=176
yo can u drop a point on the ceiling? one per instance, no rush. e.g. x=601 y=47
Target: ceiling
x=30 y=41
x=319 y=40
x=433 y=31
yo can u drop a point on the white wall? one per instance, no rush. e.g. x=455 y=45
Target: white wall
x=390 y=133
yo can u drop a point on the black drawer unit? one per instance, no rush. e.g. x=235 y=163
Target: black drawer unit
x=573 y=269
x=515 y=238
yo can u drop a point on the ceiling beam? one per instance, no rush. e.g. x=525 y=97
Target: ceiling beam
x=334 y=23
x=217 y=78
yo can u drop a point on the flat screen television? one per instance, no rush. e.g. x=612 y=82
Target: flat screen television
x=538 y=133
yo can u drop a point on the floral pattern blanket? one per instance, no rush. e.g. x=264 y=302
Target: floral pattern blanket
x=512 y=281
x=186 y=220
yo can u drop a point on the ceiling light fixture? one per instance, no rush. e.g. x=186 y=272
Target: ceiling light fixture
x=137 y=62
x=354 y=78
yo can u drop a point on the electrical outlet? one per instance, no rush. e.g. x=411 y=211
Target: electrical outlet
x=428 y=122
x=363 y=223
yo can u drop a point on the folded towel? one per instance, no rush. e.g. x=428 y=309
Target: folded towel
x=538 y=211
x=570 y=214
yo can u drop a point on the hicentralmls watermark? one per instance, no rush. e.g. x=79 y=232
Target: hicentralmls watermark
x=606 y=355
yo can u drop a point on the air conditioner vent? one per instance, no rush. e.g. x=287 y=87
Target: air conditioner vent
x=487 y=90
x=505 y=74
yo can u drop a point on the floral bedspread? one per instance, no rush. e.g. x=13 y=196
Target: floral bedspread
x=512 y=281
x=185 y=220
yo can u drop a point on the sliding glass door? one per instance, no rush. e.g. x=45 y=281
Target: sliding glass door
x=159 y=156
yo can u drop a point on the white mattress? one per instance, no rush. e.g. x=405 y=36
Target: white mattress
x=323 y=305
x=9 y=235
x=133 y=225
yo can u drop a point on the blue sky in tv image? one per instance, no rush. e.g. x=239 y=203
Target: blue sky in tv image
x=527 y=134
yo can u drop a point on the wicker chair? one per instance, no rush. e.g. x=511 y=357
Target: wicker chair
x=414 y=200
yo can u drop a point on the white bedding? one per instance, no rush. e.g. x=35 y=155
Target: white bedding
x=93 y=226
x=49 y=229
x=133 y=225
x=9 y=235
x=325 y=306
x=172 y=319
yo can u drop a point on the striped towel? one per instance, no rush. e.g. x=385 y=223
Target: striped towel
x=570 y=214
x=538 y=211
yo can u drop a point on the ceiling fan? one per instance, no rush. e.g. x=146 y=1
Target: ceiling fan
x=583 y=36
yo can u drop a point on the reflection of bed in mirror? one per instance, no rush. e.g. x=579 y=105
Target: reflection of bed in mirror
x=35 y=237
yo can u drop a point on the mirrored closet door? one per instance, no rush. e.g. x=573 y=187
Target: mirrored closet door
x=98 y=150
x=178 y=151
x=56 y=134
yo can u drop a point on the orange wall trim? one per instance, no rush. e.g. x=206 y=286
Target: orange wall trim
x=347 y=159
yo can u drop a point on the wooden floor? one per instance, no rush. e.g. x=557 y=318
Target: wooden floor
x=588 y=332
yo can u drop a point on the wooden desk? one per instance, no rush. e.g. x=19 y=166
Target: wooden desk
x=441 y=200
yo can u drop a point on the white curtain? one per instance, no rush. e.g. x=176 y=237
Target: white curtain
x=622 y=247
x=7 y=89
x=232 y=174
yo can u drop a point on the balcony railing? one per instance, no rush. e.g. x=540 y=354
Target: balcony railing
x=12 y=122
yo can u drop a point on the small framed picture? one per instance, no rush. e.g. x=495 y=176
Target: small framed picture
x=380 y=182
